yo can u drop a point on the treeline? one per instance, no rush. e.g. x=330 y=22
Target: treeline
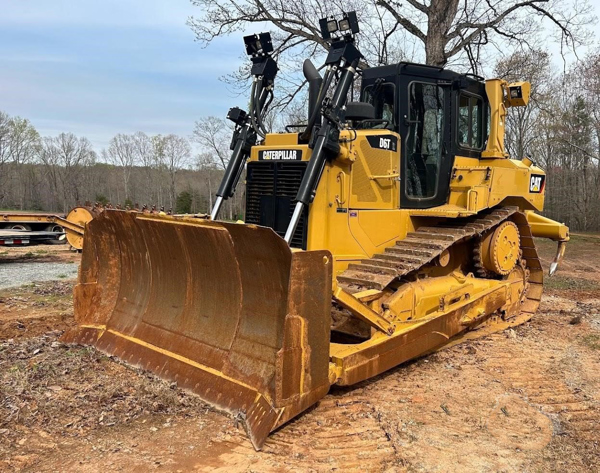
x=56 y=173
x=559 y=130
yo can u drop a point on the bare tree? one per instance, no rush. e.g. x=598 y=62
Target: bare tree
x=4 y=151
x=205 y=163
x=214 y=135
x=448 y=28
x=122 y=152
x=445 y=29
x=64 y=157
x=144 y=155
x=160 y=163
x=142 y=146
x=24 y=146
x=521 y=128
x=589 y=85
x=175 y=152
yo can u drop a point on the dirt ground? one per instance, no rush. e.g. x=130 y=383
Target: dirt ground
x=524 y=400
x=38 y=254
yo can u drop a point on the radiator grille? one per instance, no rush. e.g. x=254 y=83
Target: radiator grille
x=271 y=189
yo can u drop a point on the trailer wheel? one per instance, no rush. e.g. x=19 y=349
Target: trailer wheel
x=20 y=226
x=56 y=229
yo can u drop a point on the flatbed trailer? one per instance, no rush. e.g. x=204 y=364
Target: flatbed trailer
x=14 y=237
x=48 y=226
x=31 y=221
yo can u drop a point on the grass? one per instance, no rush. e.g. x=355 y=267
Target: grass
x=592 y=341
x=35 y=254
x=62 y=276
x=565 y=283
x=77 y=352
x=590 y=241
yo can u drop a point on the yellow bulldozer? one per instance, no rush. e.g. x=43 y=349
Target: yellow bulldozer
x=381 y=229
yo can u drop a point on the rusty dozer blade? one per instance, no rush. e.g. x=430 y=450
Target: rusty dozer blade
x=227 y=311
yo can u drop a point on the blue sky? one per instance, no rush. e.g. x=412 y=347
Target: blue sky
x=97 y=68
x=102 y=67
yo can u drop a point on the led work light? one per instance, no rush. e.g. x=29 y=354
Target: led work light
x=258 y=44
x=347 y=26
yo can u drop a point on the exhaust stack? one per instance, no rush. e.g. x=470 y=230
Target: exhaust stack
x=315 y=82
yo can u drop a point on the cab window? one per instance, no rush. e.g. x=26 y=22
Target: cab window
x=470 y=121
x=382 y=97
x=424 y=143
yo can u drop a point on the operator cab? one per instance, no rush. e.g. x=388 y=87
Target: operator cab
x=439 y=114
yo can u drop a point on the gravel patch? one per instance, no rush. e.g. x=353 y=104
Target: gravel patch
x=18 y=274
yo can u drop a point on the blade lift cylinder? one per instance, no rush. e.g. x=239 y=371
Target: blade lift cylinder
x=326 y=142
x=247 y=127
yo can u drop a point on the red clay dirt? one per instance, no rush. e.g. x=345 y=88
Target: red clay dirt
x=523 y=400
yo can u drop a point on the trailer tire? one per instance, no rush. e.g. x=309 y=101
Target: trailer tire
x=20 y=226
x=57 y=229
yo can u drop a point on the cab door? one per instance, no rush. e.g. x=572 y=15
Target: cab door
x=425 y=126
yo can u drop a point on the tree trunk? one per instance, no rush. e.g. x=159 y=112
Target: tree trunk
x=440 y=17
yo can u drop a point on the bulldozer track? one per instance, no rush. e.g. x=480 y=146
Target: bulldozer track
x=345 y=435
x=575 y=411
x=427 y=243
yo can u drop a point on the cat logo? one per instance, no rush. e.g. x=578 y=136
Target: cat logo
x=536 y=183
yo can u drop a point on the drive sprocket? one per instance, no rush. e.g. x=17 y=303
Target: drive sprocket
x=498 y=251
